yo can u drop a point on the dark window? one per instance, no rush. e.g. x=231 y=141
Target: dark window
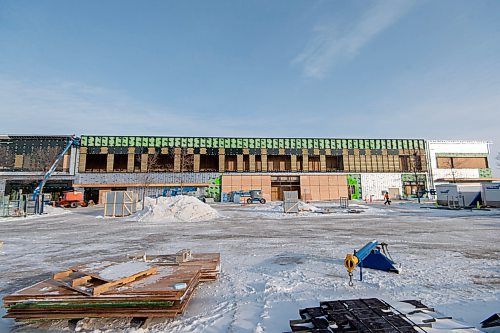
x=258 y=163
x=314 y=163
x=246 y=163
x=404 y=163
x=187 y=163
x=137 y=162
x=7 y=158
x=162 y=163
x=278 y=163
x=231 y=163
x=209 y=163
x=96 y=162
x=334 y=163
x=299 y=163
x=120 y=162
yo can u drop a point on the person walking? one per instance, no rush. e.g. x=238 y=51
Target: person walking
x=386 y=197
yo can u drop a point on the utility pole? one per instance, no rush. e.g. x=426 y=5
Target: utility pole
x=415 y=167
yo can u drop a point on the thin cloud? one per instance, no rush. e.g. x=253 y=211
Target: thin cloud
x=72 y=107
x=66 y=107
x=333 y=43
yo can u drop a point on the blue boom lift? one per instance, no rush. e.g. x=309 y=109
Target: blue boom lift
x=74 y=141
x=373 y=255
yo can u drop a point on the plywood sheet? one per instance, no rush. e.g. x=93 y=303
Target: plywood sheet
x=314 y=180
x=334 y=192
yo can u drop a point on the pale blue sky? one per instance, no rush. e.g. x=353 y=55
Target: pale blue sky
x=418 y=69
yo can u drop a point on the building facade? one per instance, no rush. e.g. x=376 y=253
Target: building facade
x=24 y=159
x=458 y=160
x=318 y=168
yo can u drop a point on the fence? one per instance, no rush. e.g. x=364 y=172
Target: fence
x=120 y=203
x=344 y=202
x=456 y=201
x=291 y=201
x=23 y=206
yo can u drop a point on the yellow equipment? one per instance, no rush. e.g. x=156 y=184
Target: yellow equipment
x=350 y=262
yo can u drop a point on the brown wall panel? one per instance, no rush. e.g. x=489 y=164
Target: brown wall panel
x=246 y=180
x=110 y=160
x=266 y=180
x=264 y=162
x=81 y=163
x=252 y=163
x=334 y=192
x=342 y=180
x=343 y=192
x=314 y=180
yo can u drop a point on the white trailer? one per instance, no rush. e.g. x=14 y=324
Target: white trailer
x=458 y=195
x=490 y=194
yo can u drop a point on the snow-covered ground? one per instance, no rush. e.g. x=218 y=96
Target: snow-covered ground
x=272 y=263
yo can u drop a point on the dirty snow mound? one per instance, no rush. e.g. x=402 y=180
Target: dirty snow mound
x=179 y=208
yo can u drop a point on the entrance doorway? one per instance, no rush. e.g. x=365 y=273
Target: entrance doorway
x=279 y=184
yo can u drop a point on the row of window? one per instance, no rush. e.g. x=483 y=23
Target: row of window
x=274 y=163
x=462 y=162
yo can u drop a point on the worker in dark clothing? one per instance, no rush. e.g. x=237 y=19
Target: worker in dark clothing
x=386 y=197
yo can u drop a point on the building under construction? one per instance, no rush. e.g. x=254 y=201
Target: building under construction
x=318 y=168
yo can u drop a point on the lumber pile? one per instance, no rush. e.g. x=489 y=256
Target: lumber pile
x=145 y=286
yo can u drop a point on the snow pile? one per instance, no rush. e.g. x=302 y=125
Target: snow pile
x=49 y=210
x=181 y=208
x=306 y=207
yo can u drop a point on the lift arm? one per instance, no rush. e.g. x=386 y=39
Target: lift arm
x=73 y=141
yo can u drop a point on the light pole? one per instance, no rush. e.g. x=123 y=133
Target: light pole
x=415 y=167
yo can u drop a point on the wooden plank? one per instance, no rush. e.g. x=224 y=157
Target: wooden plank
x=68 y=286
x=63 y=274
x=102 y=288
x=80 y=281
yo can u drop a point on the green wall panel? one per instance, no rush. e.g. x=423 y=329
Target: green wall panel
x=269 y=143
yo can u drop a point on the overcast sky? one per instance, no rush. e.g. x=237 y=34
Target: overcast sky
x=289 y=68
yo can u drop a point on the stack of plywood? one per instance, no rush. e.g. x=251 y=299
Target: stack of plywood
x=323 y=187
x=155 y=286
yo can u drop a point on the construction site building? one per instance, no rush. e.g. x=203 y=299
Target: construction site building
x=318 y=168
